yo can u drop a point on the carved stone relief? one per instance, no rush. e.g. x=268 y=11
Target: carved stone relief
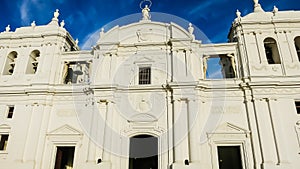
x=144 y=35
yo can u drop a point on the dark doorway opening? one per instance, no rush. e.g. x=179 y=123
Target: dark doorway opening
x=229 y=157
x=64 y=157
x=143 y=153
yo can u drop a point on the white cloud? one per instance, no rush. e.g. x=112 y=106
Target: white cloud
x=24 y=11
x=202 y=6
x=30 y=8
x=215 y=75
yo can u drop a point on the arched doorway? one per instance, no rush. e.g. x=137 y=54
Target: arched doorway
x=143 y=152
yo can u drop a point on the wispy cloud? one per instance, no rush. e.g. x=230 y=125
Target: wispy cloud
x=78 y=17
x=203 y=7
x=200 y=7
x=31 y=9
x=214 y=68
x=217 y=74
x=220 y=36
x=24 y=9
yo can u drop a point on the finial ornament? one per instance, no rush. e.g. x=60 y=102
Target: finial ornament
x=62 y=23
x=33 y=24
x=101 y=33
x=275 y=9
x=257 y=6
x=56 y=14
x=238 y=13
x=191 y=28
x=7 y=29
x=146 y=9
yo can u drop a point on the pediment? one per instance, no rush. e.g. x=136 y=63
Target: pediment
x=230 y=128
x=144 y=32
x=65 y=130
x=144 y=60
x=143 y=117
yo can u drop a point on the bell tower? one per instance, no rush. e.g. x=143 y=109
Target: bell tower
x=31 y=53
x=268 y=42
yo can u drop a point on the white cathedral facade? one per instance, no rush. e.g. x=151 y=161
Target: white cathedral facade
x=140 y=98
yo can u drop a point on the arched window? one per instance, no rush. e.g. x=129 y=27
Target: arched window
x=271 y=51
x=297 y=46
x=33 y=62
x=10 y=63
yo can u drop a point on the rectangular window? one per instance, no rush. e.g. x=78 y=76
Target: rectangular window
x=297 y=105
x=10 y=112
x=3 y=142
x=144 y=75
x=229 y=157
x=64 y=158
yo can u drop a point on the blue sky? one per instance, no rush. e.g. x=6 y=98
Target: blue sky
x=84 y=17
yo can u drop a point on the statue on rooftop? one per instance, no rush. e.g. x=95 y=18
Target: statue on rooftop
x=146 y=9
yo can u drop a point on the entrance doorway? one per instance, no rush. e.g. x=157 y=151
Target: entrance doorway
x=143 y=152
x=229 y=157
x=64 y=158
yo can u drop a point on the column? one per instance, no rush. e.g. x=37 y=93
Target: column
x=279 y=136
x=101 y=115
x=108 y=132
x=255 y=140
x=33 y=134
x=170 y=129
x=43 y=131
x=265 y=134
x=92 y=133
x=180 y=131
